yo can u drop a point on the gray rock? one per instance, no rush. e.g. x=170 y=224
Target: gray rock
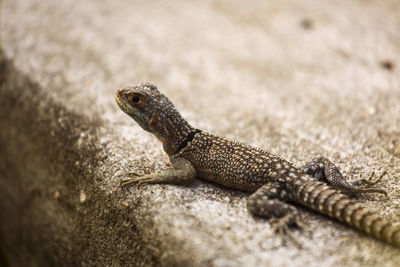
x=300 y=78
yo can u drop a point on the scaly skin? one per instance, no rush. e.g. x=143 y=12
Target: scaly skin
x=272 y=180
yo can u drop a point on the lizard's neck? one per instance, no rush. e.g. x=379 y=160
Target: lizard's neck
x=171 y=129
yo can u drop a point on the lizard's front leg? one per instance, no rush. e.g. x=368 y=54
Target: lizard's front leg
x=324 y=170
x=183 y=172
x=268 y=202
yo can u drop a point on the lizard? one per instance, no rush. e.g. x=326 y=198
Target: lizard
x=274 y=183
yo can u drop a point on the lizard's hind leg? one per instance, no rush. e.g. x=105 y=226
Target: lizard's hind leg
x=268 y=202
x=323 y=169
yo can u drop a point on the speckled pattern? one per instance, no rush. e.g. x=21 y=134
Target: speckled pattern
x=230 y=163
x=246 y=168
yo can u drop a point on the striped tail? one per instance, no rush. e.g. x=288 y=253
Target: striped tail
x=324 y=199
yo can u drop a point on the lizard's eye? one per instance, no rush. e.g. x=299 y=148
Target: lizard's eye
x=135 y=99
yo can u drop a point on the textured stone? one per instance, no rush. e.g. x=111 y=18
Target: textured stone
x=300 y=78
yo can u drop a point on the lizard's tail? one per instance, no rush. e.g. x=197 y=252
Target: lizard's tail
x=324 y=199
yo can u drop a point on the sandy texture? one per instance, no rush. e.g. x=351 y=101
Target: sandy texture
x=299 y=78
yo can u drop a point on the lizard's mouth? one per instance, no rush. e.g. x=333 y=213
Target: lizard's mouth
x=121 y=102
x=118 y=99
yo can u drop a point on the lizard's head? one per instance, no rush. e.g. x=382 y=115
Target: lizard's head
x=141 y=102
x=154 y=113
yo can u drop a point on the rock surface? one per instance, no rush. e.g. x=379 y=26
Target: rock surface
x=300 y=78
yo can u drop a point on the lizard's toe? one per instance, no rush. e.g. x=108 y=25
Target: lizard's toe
x=146 y=179
x=129 y=181
x=281 y=225
x=134 y=174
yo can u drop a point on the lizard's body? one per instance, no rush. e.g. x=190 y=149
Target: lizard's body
x=233 y=164
x=272 y=180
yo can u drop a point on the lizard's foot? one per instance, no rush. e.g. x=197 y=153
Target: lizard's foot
x=323 y=169
x=281 y=225
x=369 y=182
x=183 y=173
x=364 y=185
x=144 y=179
x=265 y=203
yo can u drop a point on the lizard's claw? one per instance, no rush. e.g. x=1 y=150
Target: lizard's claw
x=134 y=174
x=133 y=178
x=126 y=182
x=367 y=183
x=136 y=180
x=281 y=225
x=303 y=226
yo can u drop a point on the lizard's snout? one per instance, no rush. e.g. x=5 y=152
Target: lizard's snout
x=120 y=98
